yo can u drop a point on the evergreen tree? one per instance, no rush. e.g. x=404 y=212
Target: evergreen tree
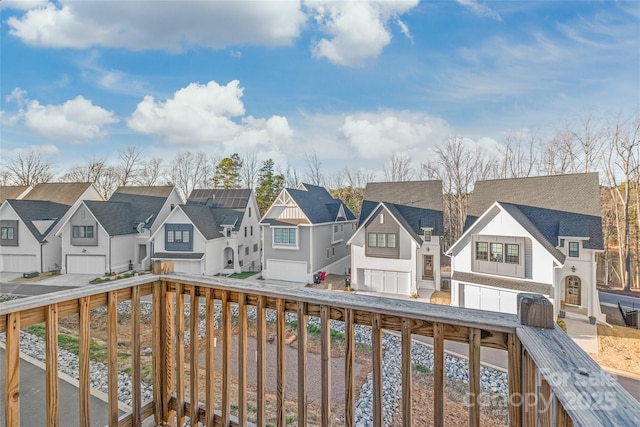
x=269 y=185
x=227 y=174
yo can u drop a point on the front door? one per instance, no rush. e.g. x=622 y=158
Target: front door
x=572 y=290
x=427 y=266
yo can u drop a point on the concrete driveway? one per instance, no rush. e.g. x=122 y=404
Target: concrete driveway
x=11 y=283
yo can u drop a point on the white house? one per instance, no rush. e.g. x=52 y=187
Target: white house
x=396 y=247
x=305 y=231
x=105 y=237
x=215 y=232
x=537 y=235
x=29 y=225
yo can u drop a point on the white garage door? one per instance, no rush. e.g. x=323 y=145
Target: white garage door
x=491 y=299
x=391 y=282
x=292 y=271
x=187 y=267
x=86 y=264
x=19 y=263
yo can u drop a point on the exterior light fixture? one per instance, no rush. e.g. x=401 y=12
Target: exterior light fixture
x=573 y=268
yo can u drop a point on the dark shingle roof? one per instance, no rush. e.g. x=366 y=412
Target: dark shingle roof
x=35 y=210
x=420 y=194
x=576 y=193
x=122 y=213
x=143 y=207
x=146 y=190
x=209 y=220
x=178 y=255
x=505 y=283
x=221 y=197
x=66 y=193
x=317 y=204
x=410 y=218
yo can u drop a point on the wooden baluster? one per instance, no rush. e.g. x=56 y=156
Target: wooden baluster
x=210 y=377
x=179 y=368
x=12 y=371
x=544 y=403
x=474 y=377
x=376 y=342
x=158 y=356
x=529 y=391
x=112 y=364
x=406 y=372
x=194 y=317
x=84 y=345
x=349 y=373
x=516 y=400
x=136 y=377
x=302 y=363
x=261 y=343
x=52 y=365
x=281 y=360
x=242 y=359
x=562 y=418
x=226 y=359
x=325 y=365
x=438 y=374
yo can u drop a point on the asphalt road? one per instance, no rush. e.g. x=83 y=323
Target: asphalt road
x=33 y=405
x=609 y=298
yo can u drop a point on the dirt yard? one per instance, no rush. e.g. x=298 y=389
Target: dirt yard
x=619 y=346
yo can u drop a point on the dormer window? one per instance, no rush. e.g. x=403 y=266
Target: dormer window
x=381 y=218
x=427 y=235
x=574 y=249
x=227 y=231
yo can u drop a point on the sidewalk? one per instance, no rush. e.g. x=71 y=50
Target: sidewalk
x=582 y=332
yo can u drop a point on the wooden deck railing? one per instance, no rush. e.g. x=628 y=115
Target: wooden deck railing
x=551 y=380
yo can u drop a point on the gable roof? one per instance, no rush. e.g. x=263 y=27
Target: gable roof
x=411 y=218
x=210 y=220
x=420 y=194
x=122 y=213
x=575 y=193
x=221 y=197
x=66 y=193
x=318 y=205
x=146 y=190
x=38 y=210
x=15 y=192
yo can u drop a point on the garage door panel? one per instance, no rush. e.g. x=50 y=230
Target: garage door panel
x=291 y=271
x=187 y=267
x=491 y=299
x=391 y=282
x=19 y=263
x=86 y=264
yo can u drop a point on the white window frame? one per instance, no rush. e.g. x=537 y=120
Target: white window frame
x=281 y=245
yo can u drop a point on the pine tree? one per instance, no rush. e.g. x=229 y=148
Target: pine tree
x=227 y=174
x=269 y=185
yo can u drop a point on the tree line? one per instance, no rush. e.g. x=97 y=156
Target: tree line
x=609 y=145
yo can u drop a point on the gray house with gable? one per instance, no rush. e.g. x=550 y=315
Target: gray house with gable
x=306 y=231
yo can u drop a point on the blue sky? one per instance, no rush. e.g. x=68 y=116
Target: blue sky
x=353 y=82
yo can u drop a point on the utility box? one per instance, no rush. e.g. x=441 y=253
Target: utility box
x=30 y=274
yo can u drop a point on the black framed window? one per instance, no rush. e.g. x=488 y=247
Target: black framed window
x=512 y=253
x=495 y=252
x=482 y=251
x=574 y=249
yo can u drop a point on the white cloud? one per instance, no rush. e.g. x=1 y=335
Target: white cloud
x=480 y=9
x=379 y=135
x=77 y=120
x=167 y=25
x=357 y=30
x=204 y=115
x=22 y=4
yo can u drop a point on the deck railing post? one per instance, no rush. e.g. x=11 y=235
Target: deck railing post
x=535 y=310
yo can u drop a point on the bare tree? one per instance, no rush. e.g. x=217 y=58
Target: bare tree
x=249 y=170
x=399 y=168
x=130 y=165
x=30 y=168
x=150 y=172
x=188 y=171
x=313 y=174
x=588 y=143
x=519 y=154
x=624 y=138
x=291 y=177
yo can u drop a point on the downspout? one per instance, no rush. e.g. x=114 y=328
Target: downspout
x=311 y=259
x=110 y=272
x=41 y=259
